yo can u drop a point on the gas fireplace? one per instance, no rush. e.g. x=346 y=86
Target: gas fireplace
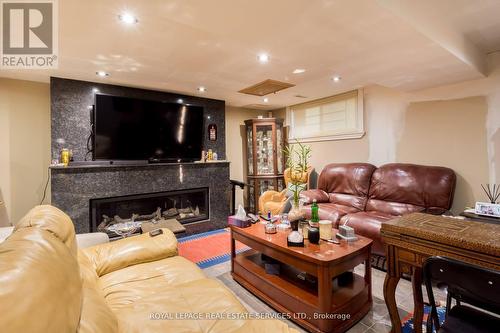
x=185 y=206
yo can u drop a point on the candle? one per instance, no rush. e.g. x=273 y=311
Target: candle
x=325 y=229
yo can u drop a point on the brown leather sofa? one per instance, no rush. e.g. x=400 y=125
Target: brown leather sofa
x=137 y=284
x=363 y=196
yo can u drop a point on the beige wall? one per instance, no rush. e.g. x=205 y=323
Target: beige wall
x=235 y=118
x=453 y=134
x=24 y=146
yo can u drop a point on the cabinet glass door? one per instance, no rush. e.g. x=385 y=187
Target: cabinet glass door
x=279 y=147
x=250 y=149
x=251 y=198
x=264 y=149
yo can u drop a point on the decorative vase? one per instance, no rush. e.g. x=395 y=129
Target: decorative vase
x=295 y=214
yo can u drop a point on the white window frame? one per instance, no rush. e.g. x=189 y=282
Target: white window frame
x=356 y=133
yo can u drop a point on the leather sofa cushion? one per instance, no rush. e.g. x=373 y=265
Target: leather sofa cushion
x=165 y=273
x=330 y=211
x=399 y=189
x=199 y=296
x=41 y=288
x=174 y=286
x=393 y=208
x=347 y=183
x=315 y=194
x=368 y=224
x=131 y=251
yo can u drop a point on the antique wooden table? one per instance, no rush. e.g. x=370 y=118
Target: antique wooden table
x=316 y=306
x=410 y=239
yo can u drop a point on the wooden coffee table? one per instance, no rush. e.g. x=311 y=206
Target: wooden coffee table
x=321 y=306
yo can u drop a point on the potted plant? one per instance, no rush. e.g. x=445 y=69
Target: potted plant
x=297 y=162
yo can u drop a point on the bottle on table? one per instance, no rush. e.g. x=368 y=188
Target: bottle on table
x=313 y=231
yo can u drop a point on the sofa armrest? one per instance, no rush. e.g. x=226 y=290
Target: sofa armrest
x=130 y=251
x=91 y=239
x=309 y=195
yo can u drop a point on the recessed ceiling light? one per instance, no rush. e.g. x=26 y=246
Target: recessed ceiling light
x=202 y=89
x=101 y=73
x=263 y=58
x=299 y=71
x=180 y=101
x=336 y=78
x=266 y=100
x=128 y=18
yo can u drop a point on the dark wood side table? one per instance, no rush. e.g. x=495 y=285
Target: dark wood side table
x=301 y=300
x=410 y=239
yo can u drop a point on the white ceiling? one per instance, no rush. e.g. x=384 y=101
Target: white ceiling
x=180 y=45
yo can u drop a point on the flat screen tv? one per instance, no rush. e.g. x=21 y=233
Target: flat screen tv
x=138 y=129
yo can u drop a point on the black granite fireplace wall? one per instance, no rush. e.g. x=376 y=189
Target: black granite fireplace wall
x=73 y=187
x=70 y=114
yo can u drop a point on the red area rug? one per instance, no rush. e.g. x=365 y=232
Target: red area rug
x=208 y=248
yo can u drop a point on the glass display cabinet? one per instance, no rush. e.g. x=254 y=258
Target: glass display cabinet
x=265 y=160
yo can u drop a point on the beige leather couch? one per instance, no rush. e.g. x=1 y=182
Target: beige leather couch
x=138 y=284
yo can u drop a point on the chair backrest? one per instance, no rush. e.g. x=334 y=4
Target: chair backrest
x=399 y=189
x=465 y=282
x=347 y=183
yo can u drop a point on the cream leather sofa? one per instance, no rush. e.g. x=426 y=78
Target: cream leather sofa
x=137 y=284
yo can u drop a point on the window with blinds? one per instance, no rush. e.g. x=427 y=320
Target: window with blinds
x=332 y=118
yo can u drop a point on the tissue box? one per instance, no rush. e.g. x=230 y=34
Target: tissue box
x=233 y=220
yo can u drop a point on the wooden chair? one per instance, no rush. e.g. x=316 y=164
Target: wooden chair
x=468 y=284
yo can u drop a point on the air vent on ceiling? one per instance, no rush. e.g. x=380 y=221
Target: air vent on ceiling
x=266 y=87
x=300 y=96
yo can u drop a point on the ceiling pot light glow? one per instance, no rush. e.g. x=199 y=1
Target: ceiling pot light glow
x=299 y=71
x=266 y=100
x=263 y=58
x=128 y=18
x=336 y=78
x=101 y=73
x=202 y=89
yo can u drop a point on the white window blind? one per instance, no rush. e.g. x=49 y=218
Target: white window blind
x=332 y=118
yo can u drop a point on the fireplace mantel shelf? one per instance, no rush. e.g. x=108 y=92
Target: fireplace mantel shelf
x=90 y=165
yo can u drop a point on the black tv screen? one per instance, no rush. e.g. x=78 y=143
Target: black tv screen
x=137 y=129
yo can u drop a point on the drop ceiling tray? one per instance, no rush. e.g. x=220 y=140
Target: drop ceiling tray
x=266 y=87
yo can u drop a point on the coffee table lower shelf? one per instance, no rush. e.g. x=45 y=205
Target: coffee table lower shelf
x=299 y=299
